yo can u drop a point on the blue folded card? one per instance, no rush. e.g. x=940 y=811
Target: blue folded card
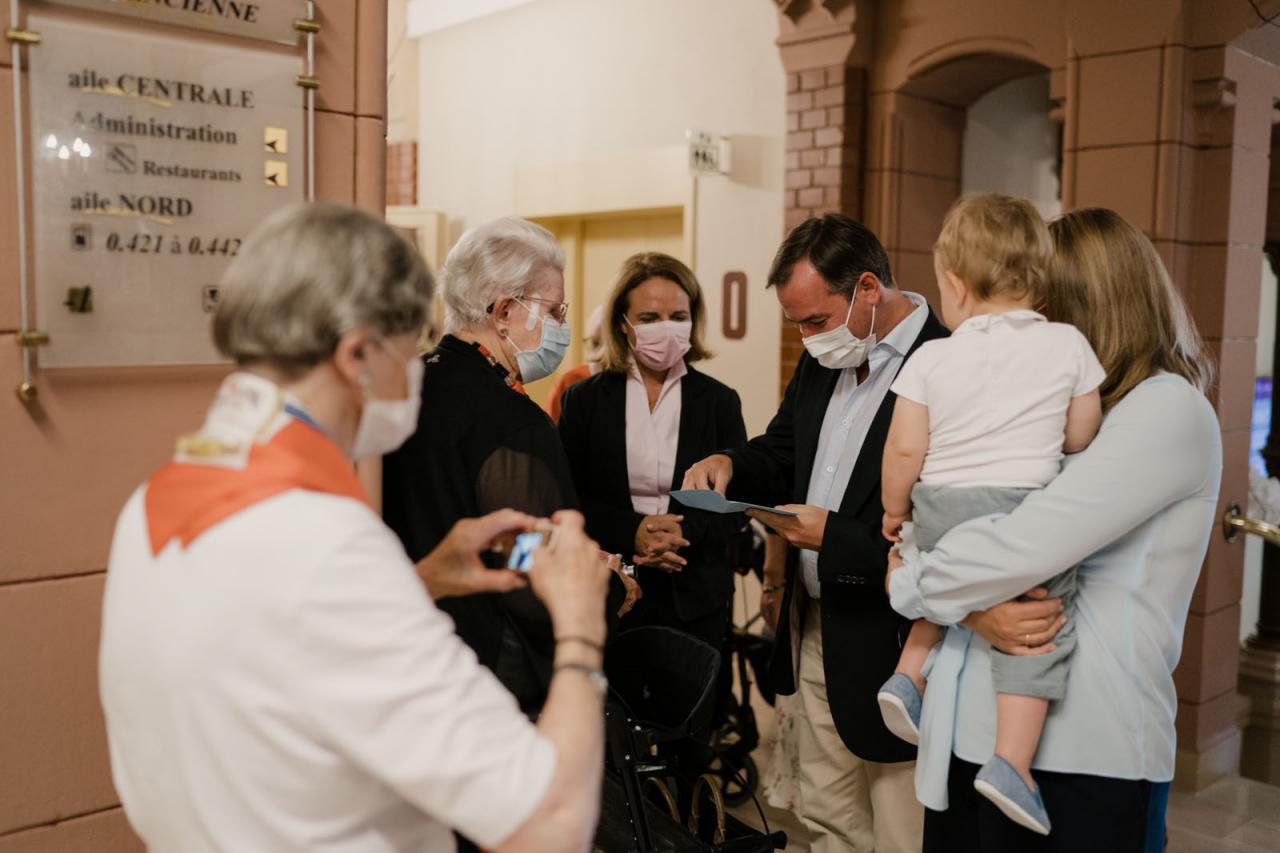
x=706 y=499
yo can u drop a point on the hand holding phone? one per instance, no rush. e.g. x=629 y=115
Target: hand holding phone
x=521 y=557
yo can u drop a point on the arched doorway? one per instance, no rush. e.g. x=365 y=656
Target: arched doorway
x=976 y=122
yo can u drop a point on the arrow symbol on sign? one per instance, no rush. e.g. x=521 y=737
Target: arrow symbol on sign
x=276 y=173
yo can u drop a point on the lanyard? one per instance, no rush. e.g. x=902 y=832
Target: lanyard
x=300 y=414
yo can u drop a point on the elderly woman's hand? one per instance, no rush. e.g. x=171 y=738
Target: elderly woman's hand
x=629 y=583
x=1020 y=627
x=454 y=567
x=571 y=580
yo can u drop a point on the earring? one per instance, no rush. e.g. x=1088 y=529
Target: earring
x=364 y=380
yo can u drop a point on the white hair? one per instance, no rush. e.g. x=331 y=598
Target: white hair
x=492 y=261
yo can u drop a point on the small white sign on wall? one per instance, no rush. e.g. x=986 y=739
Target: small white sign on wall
x=708 y=154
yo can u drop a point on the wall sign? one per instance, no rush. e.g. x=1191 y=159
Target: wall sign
x=153 y=157
x=269 y=20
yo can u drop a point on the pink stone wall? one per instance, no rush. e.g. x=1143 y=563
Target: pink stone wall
x=68 y=463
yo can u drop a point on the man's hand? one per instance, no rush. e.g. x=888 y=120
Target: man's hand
x=1020 y=627
x=713 y=473
x=657 y=539
x=891 y=527
x=454 y=567
x=803 y=530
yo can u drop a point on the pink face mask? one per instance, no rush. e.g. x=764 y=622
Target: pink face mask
x=660 y=345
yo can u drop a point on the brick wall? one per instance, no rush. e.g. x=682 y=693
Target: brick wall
x=825 y=120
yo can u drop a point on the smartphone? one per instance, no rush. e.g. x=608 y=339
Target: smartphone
x=521 y=557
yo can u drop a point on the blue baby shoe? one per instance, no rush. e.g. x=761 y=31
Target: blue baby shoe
x=1002 y=785
x=900 y=706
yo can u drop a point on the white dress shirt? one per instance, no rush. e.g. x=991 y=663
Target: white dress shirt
x=1135 y=511
x=997 y=391
x=851 y=410
x=652 y=438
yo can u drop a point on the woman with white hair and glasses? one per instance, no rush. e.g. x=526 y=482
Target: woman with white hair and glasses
x=274 y=672
x=489 y=446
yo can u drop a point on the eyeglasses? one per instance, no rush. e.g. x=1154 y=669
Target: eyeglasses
x=558 y=310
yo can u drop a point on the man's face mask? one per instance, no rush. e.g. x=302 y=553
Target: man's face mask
x=838 y=348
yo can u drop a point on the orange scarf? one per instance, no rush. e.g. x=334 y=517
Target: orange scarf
x=185 y=499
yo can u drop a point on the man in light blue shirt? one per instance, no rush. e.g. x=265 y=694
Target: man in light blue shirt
x=820 y=456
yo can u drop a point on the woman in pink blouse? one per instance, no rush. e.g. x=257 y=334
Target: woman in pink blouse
x=630 y=432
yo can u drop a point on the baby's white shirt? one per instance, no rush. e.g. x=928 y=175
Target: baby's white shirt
x=997 y=391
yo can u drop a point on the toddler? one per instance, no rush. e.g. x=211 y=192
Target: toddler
x=982 y=419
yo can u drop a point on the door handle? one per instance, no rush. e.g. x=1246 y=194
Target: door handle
x=1234 y=523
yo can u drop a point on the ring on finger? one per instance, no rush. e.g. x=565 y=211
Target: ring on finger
x=1026 y=639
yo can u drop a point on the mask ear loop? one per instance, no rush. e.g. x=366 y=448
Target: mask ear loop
x=531 y=323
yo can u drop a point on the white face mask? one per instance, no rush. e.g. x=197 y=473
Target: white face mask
x=838 y=348
x=386 y=424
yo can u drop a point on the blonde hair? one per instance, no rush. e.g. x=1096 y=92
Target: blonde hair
x=309 y=274
x=998 y=245
x=636 y=270
x=1107 y=280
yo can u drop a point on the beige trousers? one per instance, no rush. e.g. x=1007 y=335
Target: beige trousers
x=847 y=804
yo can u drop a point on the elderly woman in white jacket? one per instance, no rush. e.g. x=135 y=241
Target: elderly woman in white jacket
x=1134 y=511
x=274 y=671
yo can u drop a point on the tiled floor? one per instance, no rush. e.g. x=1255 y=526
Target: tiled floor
x=1234 y=815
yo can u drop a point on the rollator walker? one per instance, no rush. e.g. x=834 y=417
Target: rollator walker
x=657 y=793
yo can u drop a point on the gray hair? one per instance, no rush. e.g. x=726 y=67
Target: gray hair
x=493 y=261
x=309 y=274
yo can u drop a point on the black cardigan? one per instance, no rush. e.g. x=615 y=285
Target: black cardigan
x=593 y=431
x=480 y=446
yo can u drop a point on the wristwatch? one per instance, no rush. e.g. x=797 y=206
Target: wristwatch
x=595 y=676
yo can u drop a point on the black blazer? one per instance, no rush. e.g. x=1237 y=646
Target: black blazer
x=861 y=635
x=593 y=429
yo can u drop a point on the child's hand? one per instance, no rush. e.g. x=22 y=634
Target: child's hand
x=892 y=527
